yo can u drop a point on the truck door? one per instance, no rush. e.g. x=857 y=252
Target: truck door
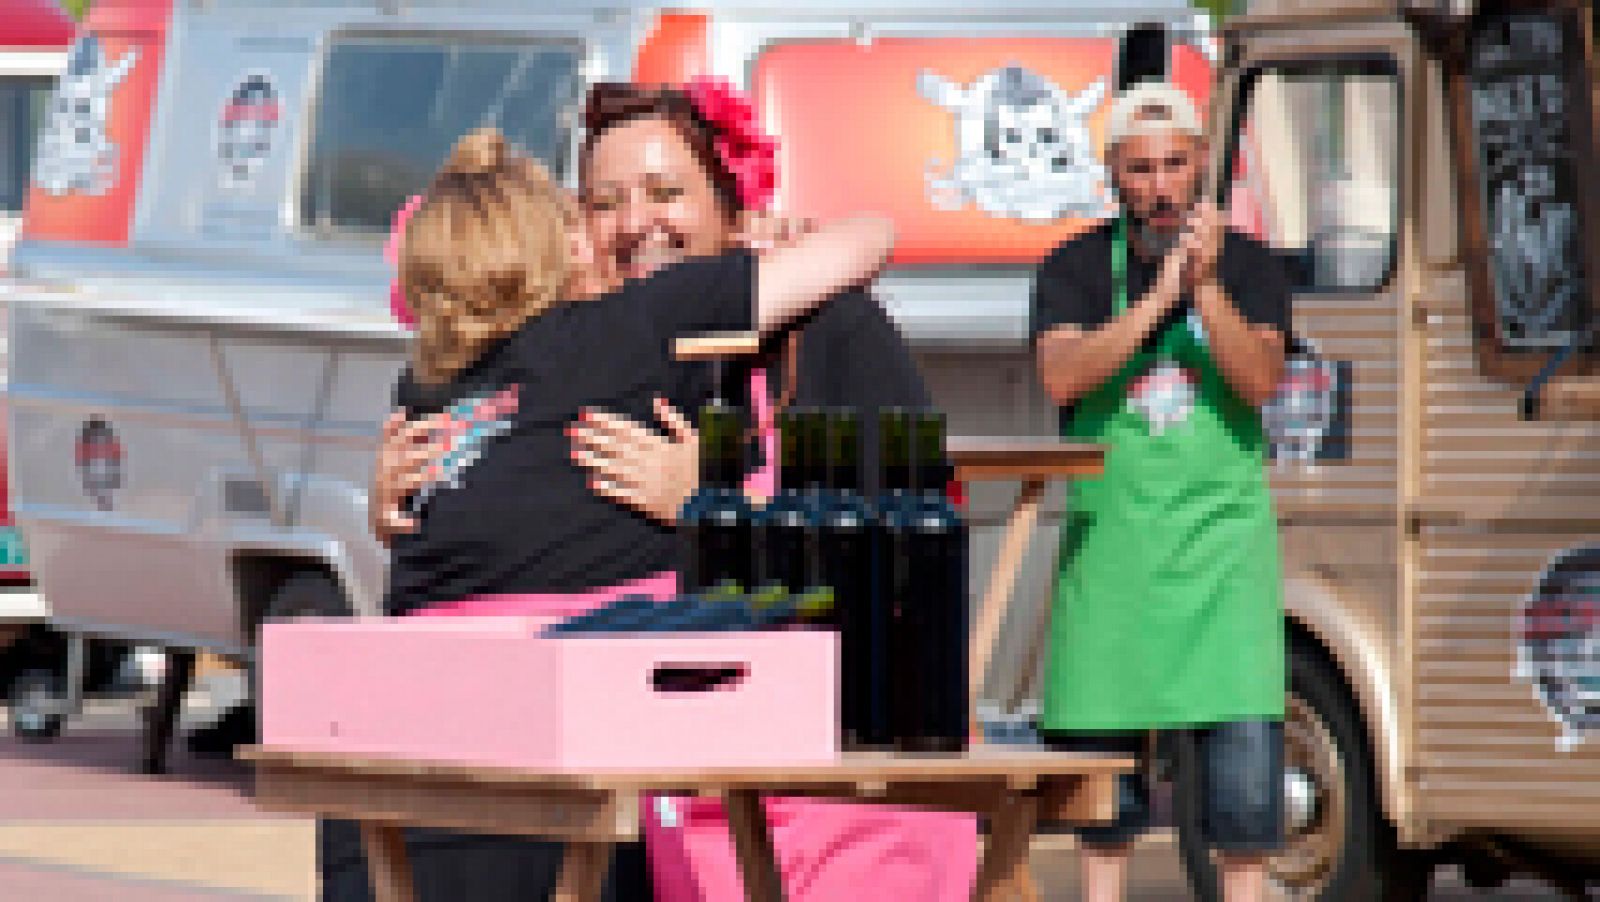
x=1505 y=597
x=1312 y=150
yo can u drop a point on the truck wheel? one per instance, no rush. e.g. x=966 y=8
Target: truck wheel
x=1338 y=845
x=309 y=593
x=306 y=593
x=37 y=700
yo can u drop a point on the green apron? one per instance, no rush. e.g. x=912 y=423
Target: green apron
x=1168 y=604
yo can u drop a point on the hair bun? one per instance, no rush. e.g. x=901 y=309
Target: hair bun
x=481 y=150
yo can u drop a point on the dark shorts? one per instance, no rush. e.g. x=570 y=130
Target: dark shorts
x=1241 y=784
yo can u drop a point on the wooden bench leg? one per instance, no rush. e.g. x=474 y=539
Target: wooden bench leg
x=752 y=839
x=387 y=865
x=1004 y=873
x=583 y=872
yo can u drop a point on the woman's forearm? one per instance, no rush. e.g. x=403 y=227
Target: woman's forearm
x=794 y=279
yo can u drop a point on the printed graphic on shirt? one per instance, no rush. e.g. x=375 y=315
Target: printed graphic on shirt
x=76 y=154
x=469 y=424
x=1164 y=396
x=1558 y=643
x=1024 y=144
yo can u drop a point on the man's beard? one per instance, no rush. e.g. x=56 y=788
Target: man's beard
x=1149 y=240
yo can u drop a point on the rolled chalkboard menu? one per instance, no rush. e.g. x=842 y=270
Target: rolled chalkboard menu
x=1529 y=102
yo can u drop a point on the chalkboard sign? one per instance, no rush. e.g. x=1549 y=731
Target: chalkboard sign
x=1530 y=156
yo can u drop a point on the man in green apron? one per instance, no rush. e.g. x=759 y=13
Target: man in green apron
x=1161 y=333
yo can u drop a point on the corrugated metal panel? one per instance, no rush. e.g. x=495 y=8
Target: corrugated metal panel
x=1490 y=749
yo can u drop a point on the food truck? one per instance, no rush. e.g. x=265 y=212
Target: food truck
x=202 y=347
x=34 y=37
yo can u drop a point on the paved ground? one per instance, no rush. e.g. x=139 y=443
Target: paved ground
x=77 y=824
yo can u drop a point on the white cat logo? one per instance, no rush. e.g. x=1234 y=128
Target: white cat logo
x=1024 y=145
x=75 y=153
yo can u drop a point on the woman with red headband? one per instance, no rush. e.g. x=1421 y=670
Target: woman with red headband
x=669 y=173
x=664 y=174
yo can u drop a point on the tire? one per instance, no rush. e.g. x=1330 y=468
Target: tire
x=1339 y=846
x=307 y=593
x=37 y=699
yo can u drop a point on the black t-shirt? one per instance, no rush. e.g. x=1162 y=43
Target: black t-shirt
x=851 y=355
x=1073 y=285
x=508 y=510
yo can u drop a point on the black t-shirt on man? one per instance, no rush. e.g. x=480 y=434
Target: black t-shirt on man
x=508 y=511
x=1073 y=285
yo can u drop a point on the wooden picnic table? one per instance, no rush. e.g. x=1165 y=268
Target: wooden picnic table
x=1014 y=789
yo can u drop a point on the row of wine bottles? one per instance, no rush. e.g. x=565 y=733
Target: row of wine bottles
x=896 y=564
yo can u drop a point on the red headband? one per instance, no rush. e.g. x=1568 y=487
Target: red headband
x=746 y=151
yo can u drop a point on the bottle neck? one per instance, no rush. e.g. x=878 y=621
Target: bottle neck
x=894 y=432
x=897 y=479
x=720 y=456
x=932 y=466
x=845 y=478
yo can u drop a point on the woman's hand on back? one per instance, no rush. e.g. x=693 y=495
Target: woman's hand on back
x=404 y=455
x=760 y=231
x=636 y=466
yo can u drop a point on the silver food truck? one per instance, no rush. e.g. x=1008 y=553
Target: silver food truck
x=34 y=38
x=202 y=348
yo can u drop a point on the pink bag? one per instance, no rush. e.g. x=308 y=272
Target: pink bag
x=827 y=851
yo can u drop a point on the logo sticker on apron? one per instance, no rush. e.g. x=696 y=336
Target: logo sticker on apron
x=1164 y=396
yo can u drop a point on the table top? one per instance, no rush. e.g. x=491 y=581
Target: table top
x=1018 y=767
x=979 y=458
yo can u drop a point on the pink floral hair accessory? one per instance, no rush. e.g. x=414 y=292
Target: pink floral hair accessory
x=391 y=252
x=747 y=152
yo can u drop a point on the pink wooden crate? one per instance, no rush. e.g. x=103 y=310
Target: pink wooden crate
x=490 y=690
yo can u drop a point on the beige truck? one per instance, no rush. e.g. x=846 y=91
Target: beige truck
x=1428 y=171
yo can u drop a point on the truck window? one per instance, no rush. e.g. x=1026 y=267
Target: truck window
x=22 y=108
x=390 y=109
x=1315 y=157
x=1527 y=96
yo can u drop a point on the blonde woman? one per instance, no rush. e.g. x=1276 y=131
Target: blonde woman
x=513 y=343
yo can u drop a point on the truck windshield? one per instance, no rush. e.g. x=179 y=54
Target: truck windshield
x=391 y=108
x=1314 y=163
x=22 y=106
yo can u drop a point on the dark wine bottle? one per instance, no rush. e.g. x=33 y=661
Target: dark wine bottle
x=938 y=616
x=786 y=529
x=893 y=685
x=716 y=520
x=845 y=548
